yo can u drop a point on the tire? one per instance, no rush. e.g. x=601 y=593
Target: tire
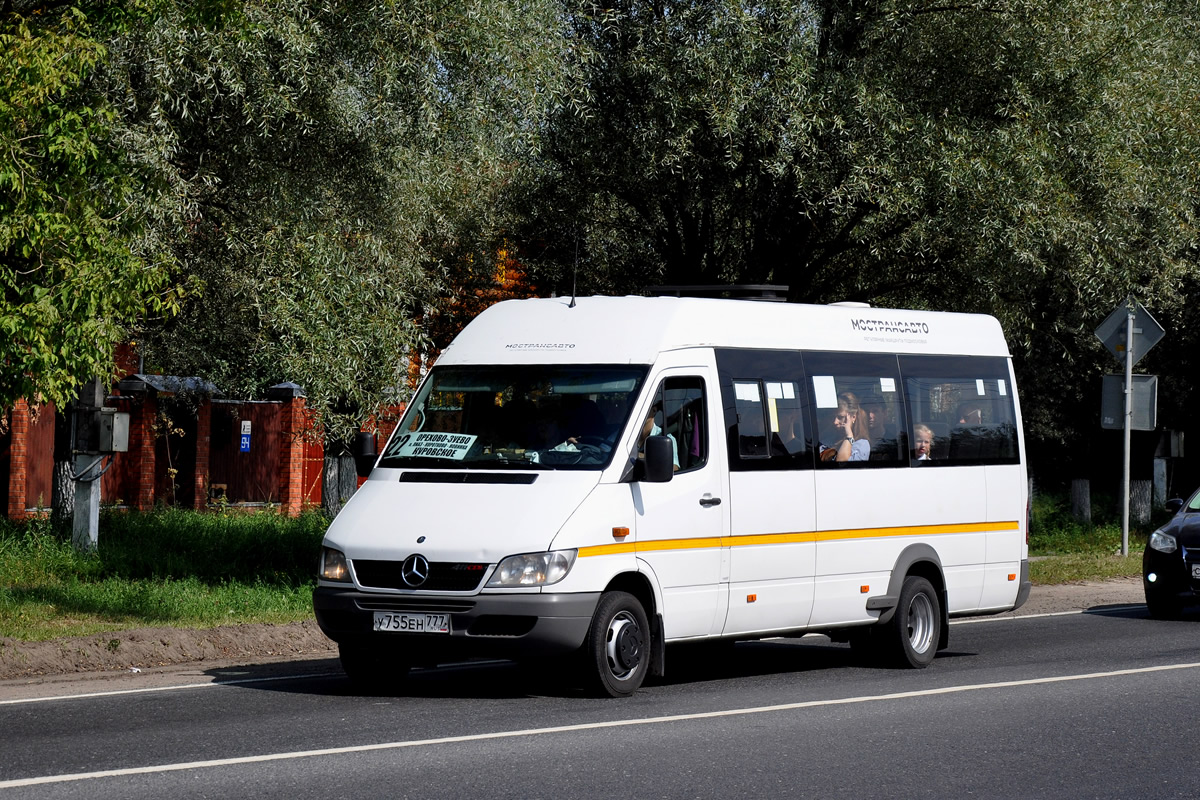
x=911 y=636
x=372 y=670
x=1162 y=605
x=617 y=649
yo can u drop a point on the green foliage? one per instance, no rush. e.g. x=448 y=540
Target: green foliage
x=72 y=274
x=332 y=166
x=1036 y=161
x=163 y=568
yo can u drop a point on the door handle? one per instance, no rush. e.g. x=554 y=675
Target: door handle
x=709 y=500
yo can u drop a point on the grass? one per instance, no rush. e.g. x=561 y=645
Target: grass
x=1063 y=550
x=198 y=570
x=168 y=568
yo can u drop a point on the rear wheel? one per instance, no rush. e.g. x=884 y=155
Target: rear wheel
x=372 y=669
x=617 y=649
x=912 y=633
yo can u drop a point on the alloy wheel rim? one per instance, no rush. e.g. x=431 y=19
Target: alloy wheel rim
x=920 y=623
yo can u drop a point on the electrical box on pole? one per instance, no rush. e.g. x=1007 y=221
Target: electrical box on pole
x=98 y=432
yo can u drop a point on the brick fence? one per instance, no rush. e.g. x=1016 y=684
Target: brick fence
x=189 y=455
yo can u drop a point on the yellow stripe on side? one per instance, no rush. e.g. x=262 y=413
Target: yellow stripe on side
x=607 y=549
x=916 y=530
x=643 y=547
x=770 y=538
x=796 y=537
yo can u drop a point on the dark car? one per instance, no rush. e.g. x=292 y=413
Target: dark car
x=1171 y=563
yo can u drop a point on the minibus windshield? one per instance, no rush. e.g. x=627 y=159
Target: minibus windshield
x=516 y=416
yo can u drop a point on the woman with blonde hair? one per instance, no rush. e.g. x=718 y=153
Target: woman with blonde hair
x=852 y=440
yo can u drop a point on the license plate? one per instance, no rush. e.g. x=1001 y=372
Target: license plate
x=412 y=623
x=1196 y=571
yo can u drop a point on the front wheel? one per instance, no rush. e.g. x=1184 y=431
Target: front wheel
x=912 y=633
x=617 y=649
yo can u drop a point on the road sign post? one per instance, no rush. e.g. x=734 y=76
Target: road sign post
x=1128 y=332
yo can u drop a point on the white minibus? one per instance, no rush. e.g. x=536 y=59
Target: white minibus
x=604 y=476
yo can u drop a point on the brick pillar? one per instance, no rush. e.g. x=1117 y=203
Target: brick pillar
x=203 y=442
x=291 y=455
x=18 y=465
x=141 y=451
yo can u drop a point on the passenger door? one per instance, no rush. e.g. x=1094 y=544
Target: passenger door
x=771 y=542
x=680 y=523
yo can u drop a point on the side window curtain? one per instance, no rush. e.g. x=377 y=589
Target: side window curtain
x=962 y=410
x=858 y=412
x=765 y=408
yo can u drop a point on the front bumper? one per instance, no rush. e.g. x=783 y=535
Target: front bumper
x=491 y=625
x=1172 y=575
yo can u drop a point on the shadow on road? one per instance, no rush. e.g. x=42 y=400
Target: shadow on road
x=687 y=664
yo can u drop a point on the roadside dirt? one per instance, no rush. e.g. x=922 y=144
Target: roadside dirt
x=150 y=648
x=146 y=648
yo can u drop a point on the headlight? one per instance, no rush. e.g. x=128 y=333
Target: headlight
x=333 y=565
x=1162 y=542
x=533 y=569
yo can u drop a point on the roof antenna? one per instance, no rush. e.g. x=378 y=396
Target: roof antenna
x=575 y=271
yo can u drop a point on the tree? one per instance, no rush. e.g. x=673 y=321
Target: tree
x=75 y=272
x=1028 y=160
x=332 y=164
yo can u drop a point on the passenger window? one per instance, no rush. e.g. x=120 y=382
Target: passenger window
x=678 y=412
x=964 y=406
x=765 y=409
x=859 y=415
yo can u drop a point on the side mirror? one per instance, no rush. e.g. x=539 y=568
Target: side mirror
x=1174 y=504
x=660 y=460
x=364 y=453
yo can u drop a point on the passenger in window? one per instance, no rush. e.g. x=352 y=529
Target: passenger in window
x=970 y=413
x=923 y=442
x=880 y=428
x=872 y=406
x=651 y=427
x=788 y=440
x=851 y=439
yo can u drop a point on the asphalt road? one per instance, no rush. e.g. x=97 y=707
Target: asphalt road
x=1096 y=704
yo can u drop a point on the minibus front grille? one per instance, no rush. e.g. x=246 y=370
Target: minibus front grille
x=444 y=576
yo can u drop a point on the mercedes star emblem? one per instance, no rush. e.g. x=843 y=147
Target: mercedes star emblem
x=415 y=570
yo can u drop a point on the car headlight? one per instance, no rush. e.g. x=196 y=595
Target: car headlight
x=1163 y=542
x=333 y=565
x=533 y=569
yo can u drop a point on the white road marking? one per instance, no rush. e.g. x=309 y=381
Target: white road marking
x=208 y=685
x=622 y=723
